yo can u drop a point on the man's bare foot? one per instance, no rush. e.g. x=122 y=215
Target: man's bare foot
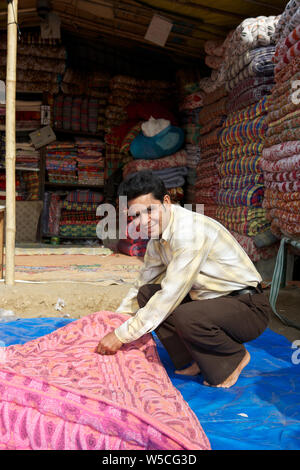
x=191 y=370
x=231 y=380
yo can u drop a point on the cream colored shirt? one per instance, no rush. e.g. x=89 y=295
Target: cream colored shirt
x=194 y=255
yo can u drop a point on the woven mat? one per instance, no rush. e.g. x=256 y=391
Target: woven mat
x=106 y=270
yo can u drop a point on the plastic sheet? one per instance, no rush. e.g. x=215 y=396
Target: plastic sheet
x=261 y=411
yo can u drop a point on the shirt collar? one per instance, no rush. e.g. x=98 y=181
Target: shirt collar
x=166 y=235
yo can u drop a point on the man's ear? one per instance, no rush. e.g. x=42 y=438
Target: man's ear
x=167 y=199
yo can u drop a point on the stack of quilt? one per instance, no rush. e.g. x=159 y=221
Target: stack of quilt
x=78 y=214
x=61 y=162
x=211 y=118
x=281 y=154
x=90 y=161
x=38 y=66
x=249 y=72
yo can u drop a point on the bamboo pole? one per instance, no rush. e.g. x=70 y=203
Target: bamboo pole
x=10 y=139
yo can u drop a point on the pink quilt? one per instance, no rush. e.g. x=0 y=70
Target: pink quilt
x=58 y=393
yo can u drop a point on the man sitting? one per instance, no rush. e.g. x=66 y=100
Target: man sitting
x=198 y=289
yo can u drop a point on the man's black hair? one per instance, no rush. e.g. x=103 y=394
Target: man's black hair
x=141 y=183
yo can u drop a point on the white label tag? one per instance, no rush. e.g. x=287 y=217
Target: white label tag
x=159 y=30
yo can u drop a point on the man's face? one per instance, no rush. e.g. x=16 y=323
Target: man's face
x=150 y=214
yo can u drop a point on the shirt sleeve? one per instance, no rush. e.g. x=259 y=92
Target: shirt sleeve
x=180 y=275
x=151 y=269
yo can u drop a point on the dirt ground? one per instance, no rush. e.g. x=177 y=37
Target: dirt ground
x=80 y=299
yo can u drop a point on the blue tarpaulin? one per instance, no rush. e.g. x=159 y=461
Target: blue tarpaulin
x=261 y=411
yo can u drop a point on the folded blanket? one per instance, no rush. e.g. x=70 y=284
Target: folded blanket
x=211 y=125
x=290 y=121
x=211 y=138
x=284 y=215
x=288 y=207
x=56 y=393
x=213 y=97
x=280 y=151
x=84 y=196
x=249 y=196
x=212 y=111
x=284 y=45
x=285 y=197
x=284 y=136
x=240 y=214
x=286 y=186
x=213 y=61
x=248 y=131
x=254 y=253
x=244 y=220
x=282 y=176
x=289 y=19
x=252 y=63
x=248 y=84
x=207 y=181
x=238 y=151
x=178 y=159
x=282 y=228
x=248 y=98
x=251 y=34
x=256 y=110
x=291 y=53
x=213 y=47
x=172 y=178
x=137 y=248
x=251 y=229
x=206 y=195
x=290 y=163
x=192 y=101
x=239 y=182
x=242 y=166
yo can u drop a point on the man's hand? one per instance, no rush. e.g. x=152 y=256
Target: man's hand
x=110 y=344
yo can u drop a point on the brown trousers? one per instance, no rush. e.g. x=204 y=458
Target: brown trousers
x=211 y=332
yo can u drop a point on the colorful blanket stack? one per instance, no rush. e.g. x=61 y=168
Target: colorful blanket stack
x=21 y=193
x=129 y=103
x=171 y=169
x=26 y=155
x=38 y=66
x=90 y=161
x=241 y=181
x=98 y=88
x=78 y=113
x=281 y=154
x=248 y=70
x=132 y=246
x=211 y=118
x=28 y=115
x=191 y=102
x=61 y=161
x=125 y=90
x=78 y=214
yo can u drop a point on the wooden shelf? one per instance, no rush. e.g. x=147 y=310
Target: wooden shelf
x=48 y=235
x=79 y=133
x=21 y=168
x=73 y=185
